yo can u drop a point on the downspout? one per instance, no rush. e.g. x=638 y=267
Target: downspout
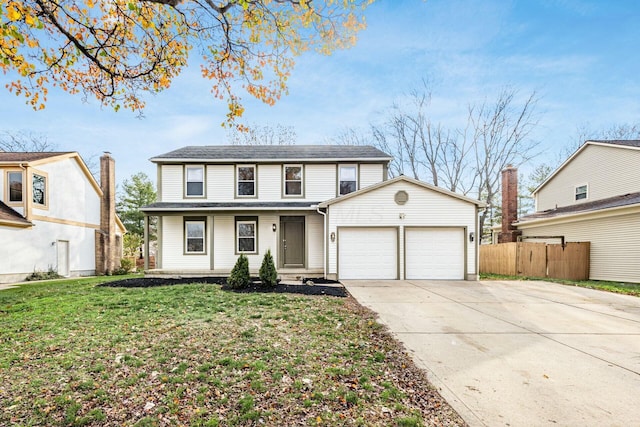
x=324 y=243
x=26 y=192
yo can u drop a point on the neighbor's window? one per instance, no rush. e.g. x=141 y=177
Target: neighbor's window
x=293 y=180
x=194 y=181
x=347 y=176
x=581 y=192
x=39 y=189
x=246 y=181
x=15 y=186
x=246 y=236
x=194 y=236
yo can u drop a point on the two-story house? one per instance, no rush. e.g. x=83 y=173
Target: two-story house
x=55 y=216
x=323 y=211
x=594 y=196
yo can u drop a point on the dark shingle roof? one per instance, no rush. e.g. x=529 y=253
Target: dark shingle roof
x=625 y=142
x=596 y=205
x=8 y=214
x=272 y=152
x=28 y=156
x=203 y=206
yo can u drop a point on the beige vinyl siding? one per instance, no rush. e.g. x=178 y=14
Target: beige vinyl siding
x=320 y=182
x=173 y=256
x=220 y=183
x=608 y=171
x=270 y=182
x=615 y=244
x=425 y=208
x=315 y=240
x=172 y=183
x=370 y=174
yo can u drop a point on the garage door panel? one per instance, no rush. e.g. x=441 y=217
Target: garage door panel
x=368 y=253
x=434 y=253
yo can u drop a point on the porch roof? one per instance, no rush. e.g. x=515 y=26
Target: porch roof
x=226 y=206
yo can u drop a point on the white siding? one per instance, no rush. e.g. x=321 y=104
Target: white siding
x=173 y=257
x=370 y=174
x=172 y=184
x=71 y=195
x=315 y=241
x=425 y=208
x=608 y=171
x=270 y=182
x=220 y=183
x=615 y=244
x=320 y=182
x=34 y=249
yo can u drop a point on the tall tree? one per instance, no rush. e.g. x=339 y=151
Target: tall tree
x=263 y=135
x=136 y=192
x=24 y=142
x=115 y=50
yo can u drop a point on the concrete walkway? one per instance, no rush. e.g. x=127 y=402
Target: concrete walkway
x=518 y=353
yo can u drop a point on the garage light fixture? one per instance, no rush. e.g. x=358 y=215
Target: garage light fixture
x=333 y=236
x=472 y=236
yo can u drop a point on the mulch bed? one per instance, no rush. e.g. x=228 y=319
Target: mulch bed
x=315 y=287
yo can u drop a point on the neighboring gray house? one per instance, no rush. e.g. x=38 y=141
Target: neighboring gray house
x=323 y=211
x=594 y=196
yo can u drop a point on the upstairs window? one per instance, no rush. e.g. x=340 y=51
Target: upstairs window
x=293 y=180
x=246 y=181
x=194 y=236
x=581 y=192
x=348 y=179
x=39 y=189
x=194 y=181
x=14 y=180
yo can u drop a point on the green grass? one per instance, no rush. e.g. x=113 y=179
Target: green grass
x=601 y=285
x=73 y=354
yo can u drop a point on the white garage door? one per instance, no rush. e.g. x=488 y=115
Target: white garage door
x=434 y=253
x=368 y=253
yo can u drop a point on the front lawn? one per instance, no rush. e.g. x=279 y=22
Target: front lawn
x=75 y=354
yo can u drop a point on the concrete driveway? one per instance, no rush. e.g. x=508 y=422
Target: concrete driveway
x=518 y=353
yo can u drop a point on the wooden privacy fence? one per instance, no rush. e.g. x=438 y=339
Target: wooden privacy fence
x=569 y=261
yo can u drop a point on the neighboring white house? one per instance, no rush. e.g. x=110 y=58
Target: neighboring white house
x=325 y=211
x=594 y=196
x=50 y=214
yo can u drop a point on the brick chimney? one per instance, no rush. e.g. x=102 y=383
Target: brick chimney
x=509 y=233
x=107 y=243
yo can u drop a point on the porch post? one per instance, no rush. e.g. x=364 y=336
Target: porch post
x=146 y=242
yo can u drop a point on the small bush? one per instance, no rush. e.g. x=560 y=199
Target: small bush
x=126 y=266
x=43 y=275
x=239 y=277
x=268 y=273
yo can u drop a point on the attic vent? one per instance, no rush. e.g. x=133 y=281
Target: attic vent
x=401 y=197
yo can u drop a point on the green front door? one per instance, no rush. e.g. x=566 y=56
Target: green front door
x=292 y=241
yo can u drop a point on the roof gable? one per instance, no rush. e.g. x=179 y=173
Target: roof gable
x=405 y=179
x=631 y=144
x=244 y=153
x=19 y=156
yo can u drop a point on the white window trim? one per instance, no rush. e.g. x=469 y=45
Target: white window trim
x=284 y=180
x=204 y=236
x=586 y=192
x=255 y=182
x=255 y=236
x=186 y=181
x=340 y=167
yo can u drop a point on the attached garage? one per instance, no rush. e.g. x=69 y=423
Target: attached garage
x=368 y=253
x=401 y=229
x=434 y=253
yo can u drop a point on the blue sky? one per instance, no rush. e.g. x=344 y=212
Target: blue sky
x=582 y=57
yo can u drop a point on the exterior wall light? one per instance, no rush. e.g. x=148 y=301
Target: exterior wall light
x=333 y=236
x=273 y=227
x=472 y=236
